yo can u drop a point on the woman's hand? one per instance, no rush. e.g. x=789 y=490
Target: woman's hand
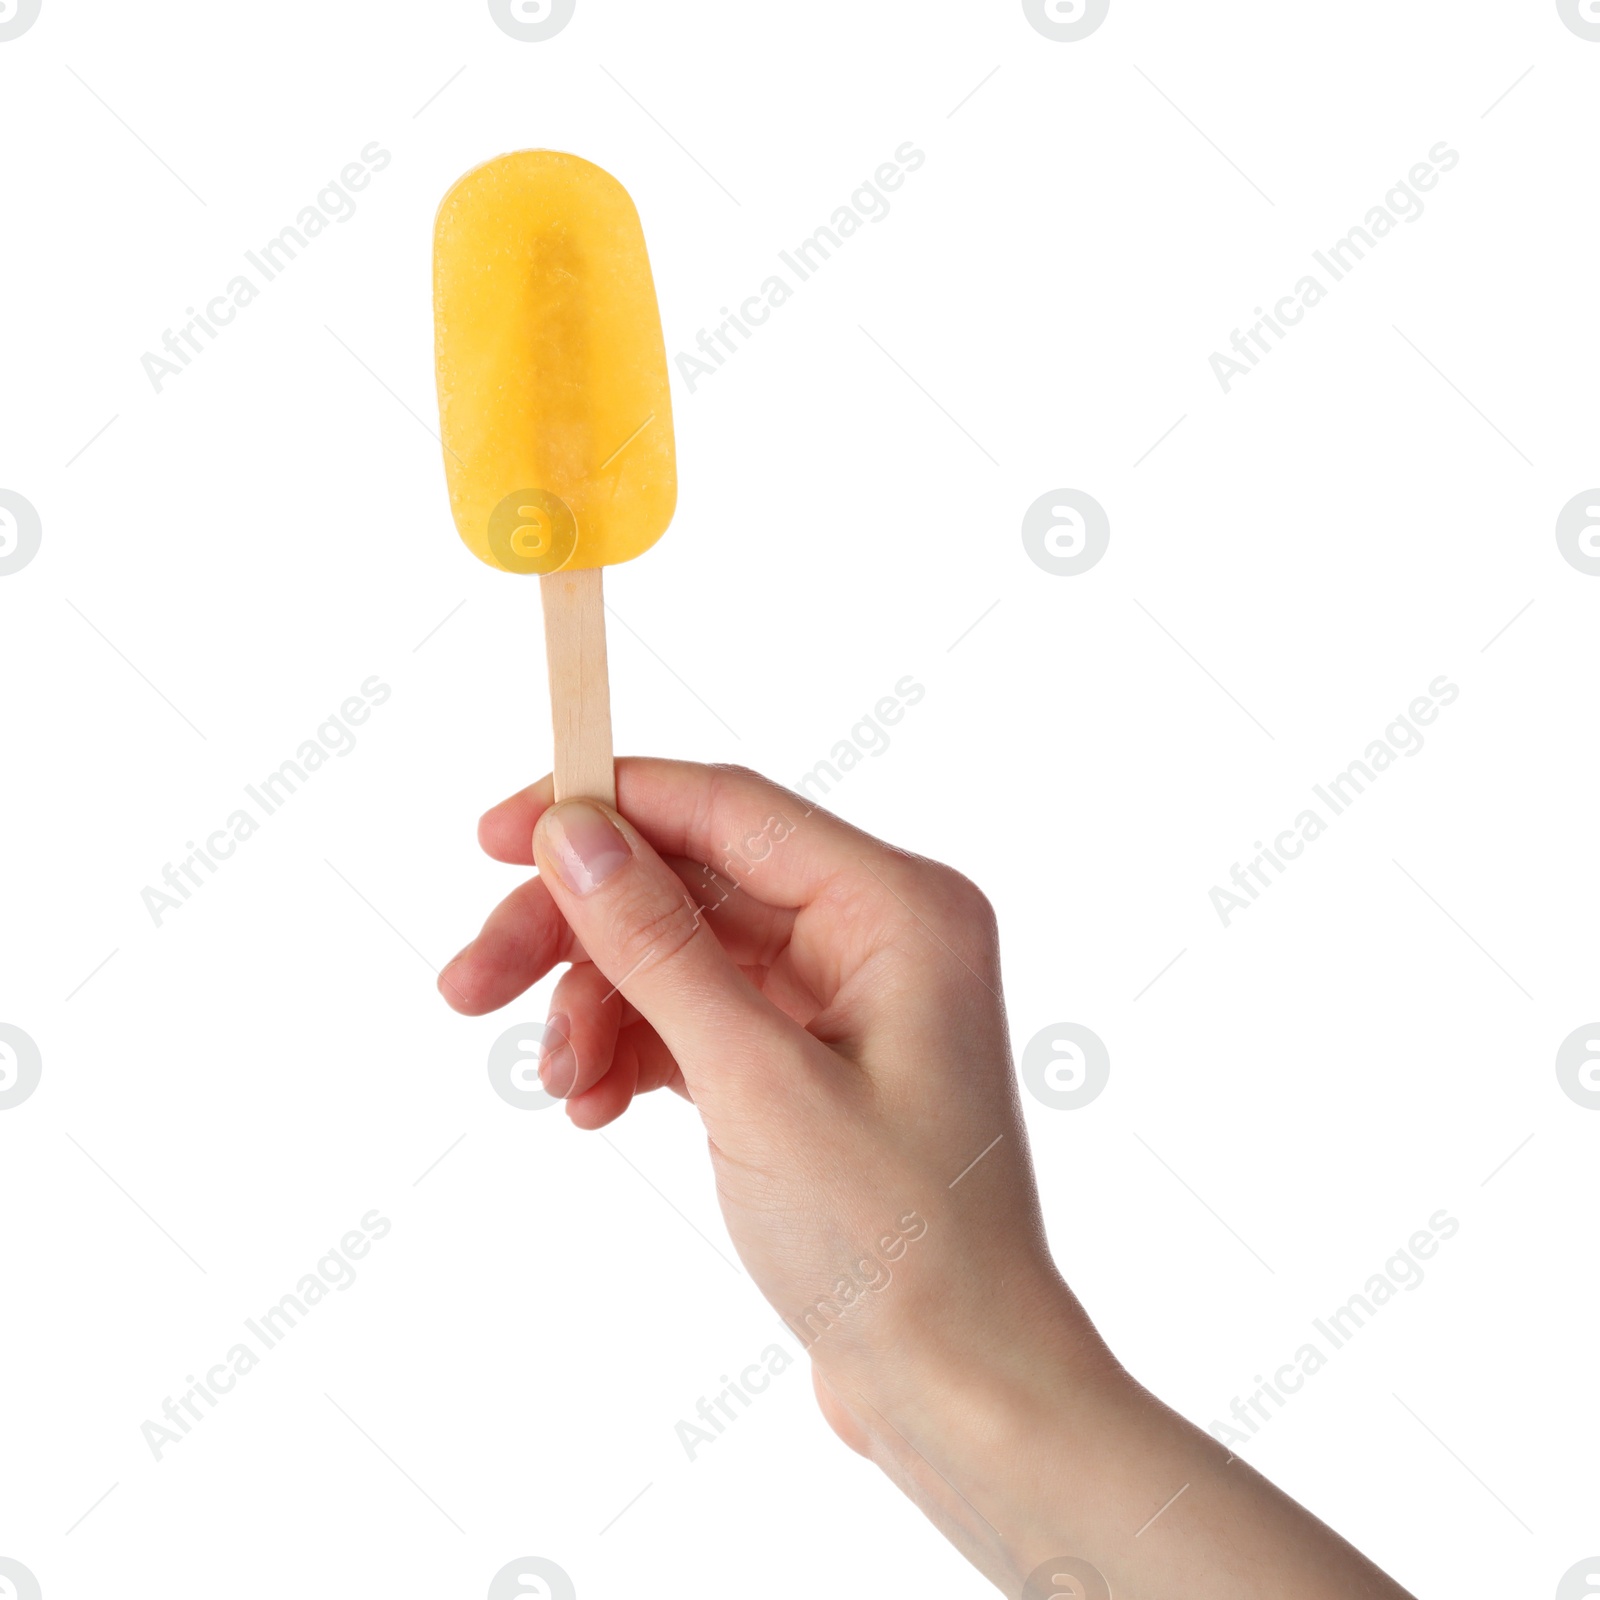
x=832 y=1008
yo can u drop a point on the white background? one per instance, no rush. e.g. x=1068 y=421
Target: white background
x=1291 y=1099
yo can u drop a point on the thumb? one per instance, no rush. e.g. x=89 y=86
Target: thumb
x=638 y=925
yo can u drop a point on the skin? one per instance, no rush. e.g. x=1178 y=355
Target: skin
x=831 y=1006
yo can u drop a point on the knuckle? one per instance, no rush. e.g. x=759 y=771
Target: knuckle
x=737 y=769
x=728 y=792
x=971 y=902
x=955 y=910
x=956 y=897
x=920 y=896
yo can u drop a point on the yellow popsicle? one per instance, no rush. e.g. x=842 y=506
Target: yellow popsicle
x=554 y=409
x=553 y=400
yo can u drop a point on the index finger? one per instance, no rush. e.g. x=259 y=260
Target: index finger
x=779 y=847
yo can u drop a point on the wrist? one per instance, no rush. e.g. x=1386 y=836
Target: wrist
x=974 y=1422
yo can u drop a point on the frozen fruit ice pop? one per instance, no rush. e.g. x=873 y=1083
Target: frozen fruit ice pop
x=554 y=408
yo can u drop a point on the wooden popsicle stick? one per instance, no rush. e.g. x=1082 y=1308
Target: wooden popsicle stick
x=580 y=694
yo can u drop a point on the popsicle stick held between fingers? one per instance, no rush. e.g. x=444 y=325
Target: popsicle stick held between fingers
x=580 y=694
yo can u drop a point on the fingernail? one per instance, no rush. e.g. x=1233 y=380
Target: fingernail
x=453 y=959
x=585 y=845
x=558 y=1062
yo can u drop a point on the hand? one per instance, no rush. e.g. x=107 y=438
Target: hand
x=832 y=1008
x=830 y=1005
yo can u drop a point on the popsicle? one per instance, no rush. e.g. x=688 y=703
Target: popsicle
x=554 y=410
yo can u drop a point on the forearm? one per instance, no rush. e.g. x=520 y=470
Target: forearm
x=1048 y=1449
